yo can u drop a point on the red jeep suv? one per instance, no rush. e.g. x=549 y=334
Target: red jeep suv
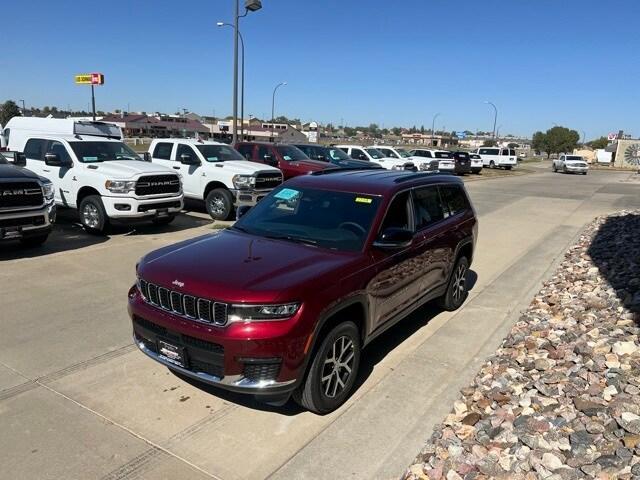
x=289 y=159
x=284 y=301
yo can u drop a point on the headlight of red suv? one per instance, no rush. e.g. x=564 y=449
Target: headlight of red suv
x=260 y=313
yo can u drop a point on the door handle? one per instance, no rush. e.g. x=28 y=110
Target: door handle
x=176 y=168
x=45 y=170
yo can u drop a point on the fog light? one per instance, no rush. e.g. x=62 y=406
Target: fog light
x=122 y=207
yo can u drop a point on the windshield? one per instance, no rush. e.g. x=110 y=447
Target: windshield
x=578 y=159
x=337 y=154
x=219 y=153
x=291 y=153
x=444 y=155
x=2 y=160
x=402 y=152
x=375 y=153
x=89 y=152
x=322 y=218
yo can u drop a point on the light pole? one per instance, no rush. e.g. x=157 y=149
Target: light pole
x=433 y=127
x=495 y=116
x=584 y=136
x=23 y=109
x=273 y=100
x=249 y=6
x=223 y=24
x=498 y=132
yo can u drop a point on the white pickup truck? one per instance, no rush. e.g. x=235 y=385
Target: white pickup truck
x=94 y=172
x=372 y=154
x=216 y=173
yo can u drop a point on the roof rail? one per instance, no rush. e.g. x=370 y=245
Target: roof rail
x=429 y=173
x=345 y=169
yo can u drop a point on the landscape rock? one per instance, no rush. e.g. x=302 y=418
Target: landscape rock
x=560 y=397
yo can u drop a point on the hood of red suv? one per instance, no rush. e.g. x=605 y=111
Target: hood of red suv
x=311 y=165
x=236 y=267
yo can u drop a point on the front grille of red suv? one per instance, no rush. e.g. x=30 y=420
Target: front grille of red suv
x=194 y=308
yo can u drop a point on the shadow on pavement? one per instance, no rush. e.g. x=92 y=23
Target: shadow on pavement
x=615 y=250
x=374 y=353
x=68 y=234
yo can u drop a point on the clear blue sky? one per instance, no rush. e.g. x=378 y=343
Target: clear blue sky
x=570 y=62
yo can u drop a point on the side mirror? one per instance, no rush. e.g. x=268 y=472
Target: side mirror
x=19 y=159
x=54 y=160
x=394 y=238
x=146 y=156
x=187 y=159
x=362 y=156
x=321 y=157
x=241 y=210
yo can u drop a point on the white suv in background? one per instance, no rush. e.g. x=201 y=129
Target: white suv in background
x=440 y=159
x=570 y=164
x=476 y=162
x=216 y=173
x=493 y=157
x=396 y=152
x=371 y=154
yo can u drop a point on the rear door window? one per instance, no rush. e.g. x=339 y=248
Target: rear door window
x=428 y=207
x=34 y=149
x=512 y=152
x=454 y=199
x=163 y=151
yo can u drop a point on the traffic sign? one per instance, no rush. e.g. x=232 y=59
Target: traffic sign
x=461 y=134
x=90 y=79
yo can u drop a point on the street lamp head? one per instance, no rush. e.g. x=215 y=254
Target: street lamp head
x=220 y=24
x=253 y=5
x=284 y=83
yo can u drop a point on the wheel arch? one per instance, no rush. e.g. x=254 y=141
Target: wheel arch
x=85 y=192
x=212 y=185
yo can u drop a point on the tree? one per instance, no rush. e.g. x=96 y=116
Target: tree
x=397 y=131
x=489 y=143
x=422 y=129
x=599 y=143
x=512 y=145
x=349 y=132
x=539 y=142
x=8 y=110
x=561 y=140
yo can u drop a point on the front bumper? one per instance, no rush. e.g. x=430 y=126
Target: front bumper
x=572 y=169
x=133 y=208
x=248 y=197
x=227 y=357
x=27 y=223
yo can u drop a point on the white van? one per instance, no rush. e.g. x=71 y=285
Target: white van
x=371 y=154
x=493 y=157
x=216 y=173
x=94 y=172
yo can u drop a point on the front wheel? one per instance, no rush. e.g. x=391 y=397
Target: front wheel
x=492 y=164
x=35 y=241
x=555 y=170
x=219 y=204
x=508 y=167
x=333 y=370
x=456 y=292
x=93 y=215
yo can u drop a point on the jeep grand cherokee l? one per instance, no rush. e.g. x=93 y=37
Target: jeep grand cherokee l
x=284 y=301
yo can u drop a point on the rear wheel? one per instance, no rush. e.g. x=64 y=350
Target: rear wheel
x=553 y=167
x=333 y=370
x=456 y=292
x=219 y=203
x=508 y=167
x=492 y=164
x=34 y=241
x=93 y=215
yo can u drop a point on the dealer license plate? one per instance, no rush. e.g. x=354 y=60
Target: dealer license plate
x=171 y=353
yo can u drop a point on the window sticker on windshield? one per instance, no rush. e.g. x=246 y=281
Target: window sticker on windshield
x=212 y=159
x=363 y=200
x=90 y=159
x=287 y=194
x=287 y=158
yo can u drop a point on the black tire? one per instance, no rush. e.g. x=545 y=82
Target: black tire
x=163 y=220
x=219 y=203
x=553 y=167
x=492 y=164
x=584 y=173
x=35 y=241
x=456 y=292
x=508 y=167
x=324 y=397
x=93 y=215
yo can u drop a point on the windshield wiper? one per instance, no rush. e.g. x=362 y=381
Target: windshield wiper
x=291 y=238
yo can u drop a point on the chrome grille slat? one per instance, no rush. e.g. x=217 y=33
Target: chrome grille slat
x=194 y=308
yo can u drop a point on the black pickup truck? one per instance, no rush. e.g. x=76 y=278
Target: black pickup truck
x=27 y=208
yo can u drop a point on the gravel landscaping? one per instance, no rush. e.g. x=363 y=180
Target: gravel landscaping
x=560 y=399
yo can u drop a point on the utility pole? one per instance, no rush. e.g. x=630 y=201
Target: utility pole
x=495 y=117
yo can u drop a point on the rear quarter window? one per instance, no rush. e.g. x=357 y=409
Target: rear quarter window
x=454 y=198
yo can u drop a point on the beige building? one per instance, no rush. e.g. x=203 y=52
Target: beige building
x=626 y=153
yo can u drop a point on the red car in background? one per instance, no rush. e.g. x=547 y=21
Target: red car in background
x=289 y=159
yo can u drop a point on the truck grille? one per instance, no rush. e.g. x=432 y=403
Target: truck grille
x=157 y=185
x=20 y=194
x=195 y=308
x=268 y=180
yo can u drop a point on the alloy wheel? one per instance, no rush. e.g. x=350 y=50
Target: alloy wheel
x=91 y=216
x=459 y=283
x=216 y=205
x=338 y=366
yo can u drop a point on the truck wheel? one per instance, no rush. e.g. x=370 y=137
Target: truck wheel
x=492 y=164
x=456 y=292
x=508 y=167
x=34 y=241
x=92 y=214
x=163 y=220
x=333 y=370
x=219 y=204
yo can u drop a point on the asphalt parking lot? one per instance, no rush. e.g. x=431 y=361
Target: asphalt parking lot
x=78 y=401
